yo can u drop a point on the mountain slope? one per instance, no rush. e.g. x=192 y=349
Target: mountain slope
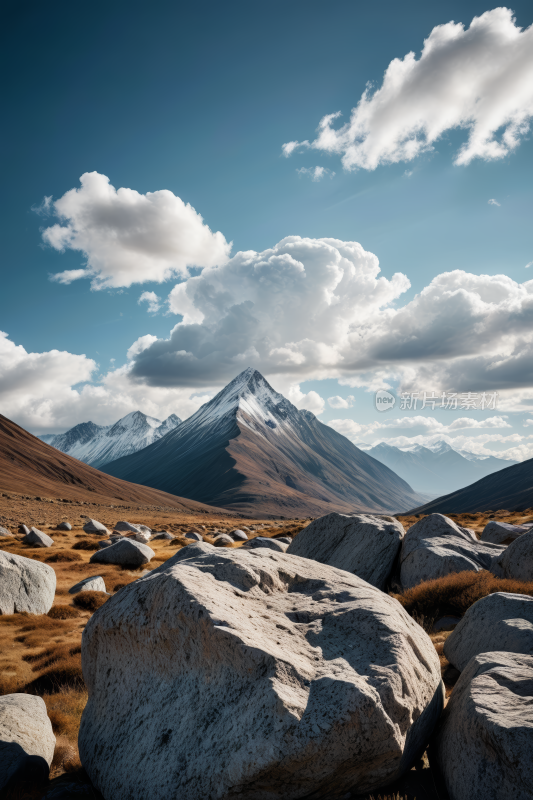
x=97 y=445
x=28 y=464
x=439 y=469
x=251 y=450
x=510 y=488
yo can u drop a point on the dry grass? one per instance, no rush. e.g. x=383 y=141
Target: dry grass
x=86 y=544
x=63 y=557
x=90 y=601
x=63 y=612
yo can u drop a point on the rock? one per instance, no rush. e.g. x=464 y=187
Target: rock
x=283 y=539
x=24 y=529
x=316 y=682
x=516 y=561
x=435 y=546
x=499 y=621
x=163 y=535
x=141 y=537
x=93 y=584
x=64 y=526
x=447 y=623
x=502 y=532
x=238 y=536
x=145 y=529
x=5 y=531
x=38 y=539
x=125 y=552
x=194 y=536
x=222 y=540
x=126 y=527
x=25 y=585
x=362 y=544
x=93 y=526
x=27 y=741
x=265 y=542
x=105 y=543
x=484 y=743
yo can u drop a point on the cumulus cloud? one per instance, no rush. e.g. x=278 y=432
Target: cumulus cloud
x=127 y=237
x=493 y=202
x=479 y=79
x=310 y=401
x=316 y=173
x=154 y=302
x=425 y=425
x=341 y=402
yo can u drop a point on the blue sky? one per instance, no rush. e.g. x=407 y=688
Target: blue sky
x=198 y=100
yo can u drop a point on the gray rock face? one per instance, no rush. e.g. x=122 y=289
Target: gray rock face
x=64 y=526
x=126 y=527
x=143 y=537
x=93 y=526
x=106 y=543
x=27 y=741
x=238 y=535
x=502 y=532
x=24 y=529
x=5 y=531
x=316 y=682
x=196 y=537
x=484 y=742
x=163 y=535
x=283 y=539
x=93 y=584
x=125 y=552
x=222 y=540
x=145 y=529
x=265 y=542
x=362 y=544
x=435 y=546
x=38 y=539
x=25 y=585
x=501 y=620
x=516 y=561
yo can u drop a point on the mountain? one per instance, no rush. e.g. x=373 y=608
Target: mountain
x=250 y=450
x=29 y=465
x=97 y=444
x=438 y=469
x=510 y=488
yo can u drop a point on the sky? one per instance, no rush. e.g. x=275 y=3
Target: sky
x=338 y=194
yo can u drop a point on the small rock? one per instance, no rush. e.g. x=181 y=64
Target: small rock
x=64 y=526
x=223 y=540
x=93 y=526
x=516 y=561
x=194 y=536
x=93 y=584
x=5 y=531
x=142 y=537
x=502 y=532
x=126 y=527
x=25 y=585
x=238 y=536
x=269 y=544
x=145 y=529
x=24 y=529
x=125 y=552
x=163 y=535
x=38 y=538
x=27 y=741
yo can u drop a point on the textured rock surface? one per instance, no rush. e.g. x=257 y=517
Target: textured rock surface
x=26 y=739
x=362 y=544
x=163 y=535
x=125 y=552
x=500 y=621
x=196 y=537
x=5 y=531
x=64 y=526
x=283 y=539
x=516 y=561
x=93 y=584
x=253 y=674
x=24 y=529
x=93 y=526
x=435 y=546
x=501 y=532
x=38 y=538
x=222 y=540
x=25 y=585
x=126 y=527
x=142 y=537
x=238 y=535
x=265 y=541
x=484 y=744
x=145 y=529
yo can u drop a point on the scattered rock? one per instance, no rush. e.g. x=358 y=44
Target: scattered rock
x=222 y=540
x=194 y=536
x=145 y=529
x=5 y=531
x=93 y=584
x=126 y=527
x=502 y=532
x=163 y=535
x=499 y=621
x=265 y=542
x=435 y=546
x=142 y=537
x=516 y=561
x=25 y=585
x=64 y=526
x=125 y=553
x=106 y=543
x=362 y=544
x=38 y=538
x=315 y=681
x=484 y=743
x=238 y=536
x=27 y=741
x=93 y=526
x=24 y=529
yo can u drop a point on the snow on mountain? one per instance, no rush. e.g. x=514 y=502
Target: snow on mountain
x=97 y=445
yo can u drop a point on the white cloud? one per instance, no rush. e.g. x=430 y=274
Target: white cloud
x=310 y=401
x=529 y=265
x=493 y=202
x=127 y=237
x=426 y=425
x=44 y=209
x=140 y=344
x=154 y=302
x=316 y=173
x=341 y=402
x=528 y=423
x=479 y=79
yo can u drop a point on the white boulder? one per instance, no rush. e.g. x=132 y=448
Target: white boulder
x=126 y=527
x=484 y=743
x=222 y=540
x=125 y=553
x=516 y=561
x=27 y=741
x=142 y=537
x=64 y=526
x=253 y=674
x=93 y=526
x=25 y=585
x=502 y=532
x=5 y=531
x=265 y=541
x=238 y=535
x=196 y=537
x=500 y=621
x=362 y=544
x=93 y=584
x=38 y=538
x=24 y=529
x=435 y=546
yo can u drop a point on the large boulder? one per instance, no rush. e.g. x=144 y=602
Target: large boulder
x=502 y=532
x=27 y=741
x=516 y=561
x=484 y=744
x=25 y=585
x=5 y=531
x=93 y=526
x=93 y=584
x=499 y=621
x=435 y=546
x=125 y=552
x=38 y=539
x=265 y=541
x=126 y=527
x=253 y=674
x=362 y=544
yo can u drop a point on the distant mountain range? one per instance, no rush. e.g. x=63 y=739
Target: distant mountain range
x=438 y=469
x=97 y=445
x=250 y=450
